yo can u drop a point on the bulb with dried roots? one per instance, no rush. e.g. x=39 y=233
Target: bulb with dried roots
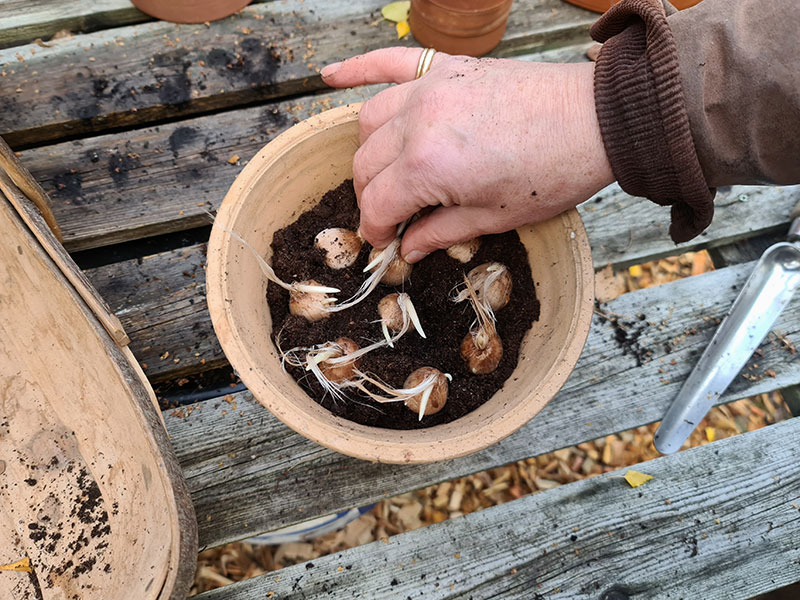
x=424 y=392
x=335 y=365
x=380 y=263
x=397 y=313
x=310 y=300
x=341 y=246
x=464 y=251
x=433 y=398
x=307 y=299
x=481 y=348
x=492 y=283
x=397 y=271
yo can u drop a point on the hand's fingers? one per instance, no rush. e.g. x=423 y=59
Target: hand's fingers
x=379 y=151
x=387 y=65
x=379 y=109
x=445 y=226
x=387 y=200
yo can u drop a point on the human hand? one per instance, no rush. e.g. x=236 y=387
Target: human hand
x=492 y=144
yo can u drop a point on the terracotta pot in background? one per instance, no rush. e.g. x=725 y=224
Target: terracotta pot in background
x=603 y=5
x=288 y=177
x=190 y=11
x=471 y=27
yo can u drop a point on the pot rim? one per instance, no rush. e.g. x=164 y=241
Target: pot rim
x=500 y=4
x=347 y=437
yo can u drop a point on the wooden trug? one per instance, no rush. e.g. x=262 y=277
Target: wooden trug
x=90 y=490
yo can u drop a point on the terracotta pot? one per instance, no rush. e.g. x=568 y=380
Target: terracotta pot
x=603 y=5
x=289 y=176
x=471 y=27
x=190 y=11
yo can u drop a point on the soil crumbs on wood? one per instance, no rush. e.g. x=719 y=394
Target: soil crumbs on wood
x=445 y=323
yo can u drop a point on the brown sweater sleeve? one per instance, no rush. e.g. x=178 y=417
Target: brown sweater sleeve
x=703 y=98
x=740 y=69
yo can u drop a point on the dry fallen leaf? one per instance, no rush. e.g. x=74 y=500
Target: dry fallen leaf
x=609 y=285
x=234 y=159
x=22 y=566
x=711 y=434
x=397 y=12
x=402 y=29
x=635 y=478
x=61 y=33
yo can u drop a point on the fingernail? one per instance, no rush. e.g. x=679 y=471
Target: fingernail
x=330 y=69
x=415 y=256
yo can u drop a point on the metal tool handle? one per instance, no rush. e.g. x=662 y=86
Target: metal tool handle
x=766 y=293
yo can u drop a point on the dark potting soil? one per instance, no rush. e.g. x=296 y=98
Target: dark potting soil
x=445 y=323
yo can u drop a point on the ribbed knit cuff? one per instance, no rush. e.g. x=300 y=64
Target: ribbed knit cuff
x=642 y=115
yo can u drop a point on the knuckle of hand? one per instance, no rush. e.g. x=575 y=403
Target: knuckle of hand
x=366 y=115
x=369 y=212
x=360 y=164
x=422 y=156
x=433 y=237
x=373 y=225
x=428 y=104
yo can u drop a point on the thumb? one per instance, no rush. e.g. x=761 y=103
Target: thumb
x=387 y=65
x=440 y=229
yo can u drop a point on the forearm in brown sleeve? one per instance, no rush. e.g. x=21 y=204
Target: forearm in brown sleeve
x=642 y=115
x=699 y=99
x=740 y=69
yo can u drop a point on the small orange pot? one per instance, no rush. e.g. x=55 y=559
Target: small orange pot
x=602 y=6
x=471 y=27
x=190 y=11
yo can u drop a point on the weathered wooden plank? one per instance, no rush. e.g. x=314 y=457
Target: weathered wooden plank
x=160 y=300
x=745 y=250
x=625 y=230
x=22 y=21
x=112 y=188
x=161 y=179
x=131 y=75
x=248 y=473
x=716 y=522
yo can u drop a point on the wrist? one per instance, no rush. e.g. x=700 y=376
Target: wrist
x=589 y=138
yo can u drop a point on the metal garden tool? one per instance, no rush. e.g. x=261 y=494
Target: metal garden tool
x=766 y=293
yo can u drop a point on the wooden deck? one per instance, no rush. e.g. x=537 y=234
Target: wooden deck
x=130 y=126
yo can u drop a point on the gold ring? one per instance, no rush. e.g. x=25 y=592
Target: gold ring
x=425 y=62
